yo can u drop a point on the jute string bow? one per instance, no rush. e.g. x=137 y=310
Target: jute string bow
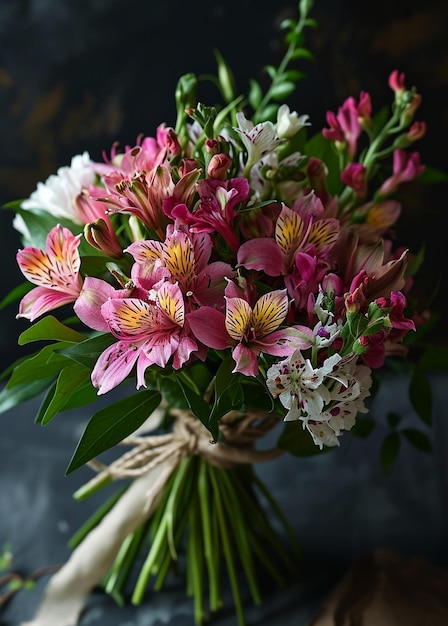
x=150 y=462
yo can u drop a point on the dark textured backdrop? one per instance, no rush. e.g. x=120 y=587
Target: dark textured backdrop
x=77 y=76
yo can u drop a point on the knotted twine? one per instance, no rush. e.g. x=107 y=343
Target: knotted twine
x=150 y=463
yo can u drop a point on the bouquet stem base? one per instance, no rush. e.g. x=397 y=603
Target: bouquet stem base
x=210 y=523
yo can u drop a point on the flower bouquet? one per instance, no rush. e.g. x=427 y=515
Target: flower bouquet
x=231 y=278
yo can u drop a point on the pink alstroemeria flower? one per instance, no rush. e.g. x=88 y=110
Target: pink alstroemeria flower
x=406 y=167
x=216 y=210
x=250 y=331
x=344 y=126
x=150 y=331
x=183 y=258
x=55 y=271
x=299 y=229
x=354 y=175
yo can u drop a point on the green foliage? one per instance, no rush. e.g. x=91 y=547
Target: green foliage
x=111 y=425
x=87 y=352
x=420 y=395
x=50 y=329
x=389 y=451
x=297 y=441
x=70 y=380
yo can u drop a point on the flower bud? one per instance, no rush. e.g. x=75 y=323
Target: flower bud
x=289 y=123
x=100 y=237
x=218 y=166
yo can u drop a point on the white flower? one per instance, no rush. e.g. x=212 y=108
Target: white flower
x=57 y=194
x=258 y=140
x=326 y=399
x=289 y=124
x=299 y=386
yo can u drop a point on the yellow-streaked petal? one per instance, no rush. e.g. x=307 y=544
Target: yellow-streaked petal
x=269 y=312
x=171 y=301
x=238 y=314
x=288 y=232
x=323 y=233
x=131 y=317
x=178 y=258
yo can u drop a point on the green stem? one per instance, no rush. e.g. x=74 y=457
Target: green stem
x=226 y=545
x=282 y=66
x=209 y=552
x=241 y=529
x=95 y=519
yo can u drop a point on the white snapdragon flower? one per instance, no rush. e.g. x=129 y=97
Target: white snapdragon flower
x=289 y=123
x=57 y=193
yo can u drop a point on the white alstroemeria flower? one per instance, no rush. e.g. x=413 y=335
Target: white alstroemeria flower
x=258 y=140
x=347 y=400
x=289 y=123
x=299 y=386
x=322 y=434
x=57 y=193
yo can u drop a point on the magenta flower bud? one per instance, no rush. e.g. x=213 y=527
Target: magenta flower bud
x=218 y=166
x=354 y=175
x=416 y=131
x=212 y=146
x=397 y=83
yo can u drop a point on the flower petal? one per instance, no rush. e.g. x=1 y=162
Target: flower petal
x=269 y=312
x=238 y=317
x=113 y=365
x=263 y=254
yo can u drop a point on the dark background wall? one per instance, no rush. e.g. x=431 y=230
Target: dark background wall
x=78 y=76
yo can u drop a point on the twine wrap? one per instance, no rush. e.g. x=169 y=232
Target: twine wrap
x=150 y=462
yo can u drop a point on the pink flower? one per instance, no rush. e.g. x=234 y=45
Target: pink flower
x=397 y=82
x=250 y=331
x=344 y=127
x=182 y=258
x=55 y=271
x=216 y=210
x=150 y=331
x=406 y=167
x=354 y=175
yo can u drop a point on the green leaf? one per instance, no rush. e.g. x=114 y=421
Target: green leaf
x=270 y=70
x=420 y=395
x=87 y=352
x=200 y=408
x=225 y=78
x=435 y=358
x=49 y=328
x=417 y=439
x=14 y=205
x=389 y=451
x=432 y=175
x=255 y=95
x=112 y=424
x=16 y=294
x=39 y=365
x=39 y=223
x=393 y=420
x=70 y=379
x=84 y=395
x=10 y=398
x=297 y=441
x=224 y=376
x=363 y=426
x=302 y=53
x=293 y=75
x=320 y=148
x=282 y=90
